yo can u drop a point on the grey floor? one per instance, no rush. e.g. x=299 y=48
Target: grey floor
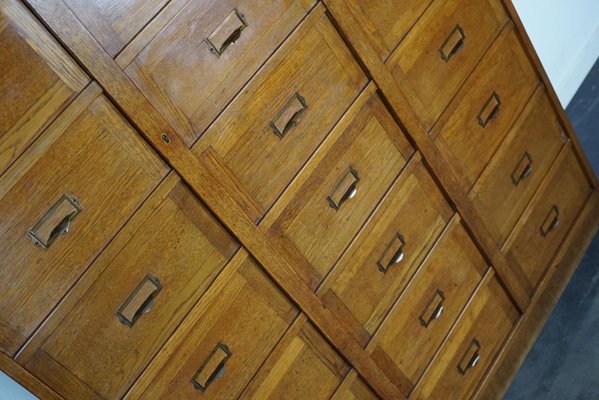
x=564 y=362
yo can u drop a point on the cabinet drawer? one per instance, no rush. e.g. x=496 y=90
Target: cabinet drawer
x=268 y=133
x=380 y=262
x=38 y=80
x=193 y=68
x=224 y=340
x=442 y=49
x=472 y=345
x=147 y=286
x=480 y=116
x=387 y=21
x=332 y=197
x=421 y=319
x=114 y=23
x=515 y=172
x=548 y=218
x=69 y=194
x=303 y=366
x=354 y=388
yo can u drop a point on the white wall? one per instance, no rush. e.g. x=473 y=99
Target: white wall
x=566 y=36
x=10 y=390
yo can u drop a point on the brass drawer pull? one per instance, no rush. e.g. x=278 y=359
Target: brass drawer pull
x=139 y=302
x=56 y=222
x=212 y=368
x=470 y=358
x=227 y=33
x=551 y=222
x=453 y=44
x=490 y=110
x=345 y=189
x=393 y=255
x=433 y=310
x=523 y=169
x=289 y=116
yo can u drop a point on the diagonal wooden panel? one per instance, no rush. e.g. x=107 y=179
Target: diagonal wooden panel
x=352 y=31
x=273 y=254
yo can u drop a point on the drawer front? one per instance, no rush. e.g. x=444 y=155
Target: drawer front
x=471 y=347
x=271 y=129
x=515 y=172
x=387 y=21
x=224 y=340
x=38 y=80
x=548 y=218
x=480 y=116
x=194 y=67
x=354 y=388
x=69 y=194
x=146 y=288
x=114 y=23
x=303 y=366
x=442 y=49
x=380 y=262
x=421 y=319
x=332 y=197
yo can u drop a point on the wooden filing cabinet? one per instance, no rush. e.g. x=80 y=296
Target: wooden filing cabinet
x=295 y=199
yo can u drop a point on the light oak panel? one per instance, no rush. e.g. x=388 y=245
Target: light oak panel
x=92 y=155
x=181 y=248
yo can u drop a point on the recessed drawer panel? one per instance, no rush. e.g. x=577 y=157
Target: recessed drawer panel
x=303 y=366
x=354 y=388
x=114 y=23
x=442 y=49
x=480 y=116
x=62 y=202
x=38 y=80
x=148 y=285
x=268 y=133
x=224 y=340
x=421 y=319
x=549 y=217
x=515 y=172
x=387 y=21
x=341 y=185
x=380 y=262
x=472 y=345
x=202 y=57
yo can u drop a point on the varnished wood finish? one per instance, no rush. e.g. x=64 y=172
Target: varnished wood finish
x=419 y=68
x=386 y=22
x=393 y=93
x=190 y=84
x=227 y=203
x=92 y=154
x=471 y=128
x=115 y=22
x=353 y=388
x=366 y=146
x=303 y=366
x=26 y=379
x=544 y=225
x=342 y=192
x=416 y=327
x=315 y=64
x=243 y=311
x=38 y=80
x=549 y=291
x=487 y=320
x=505 y=187
x=359 y=292
x=183 y=248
